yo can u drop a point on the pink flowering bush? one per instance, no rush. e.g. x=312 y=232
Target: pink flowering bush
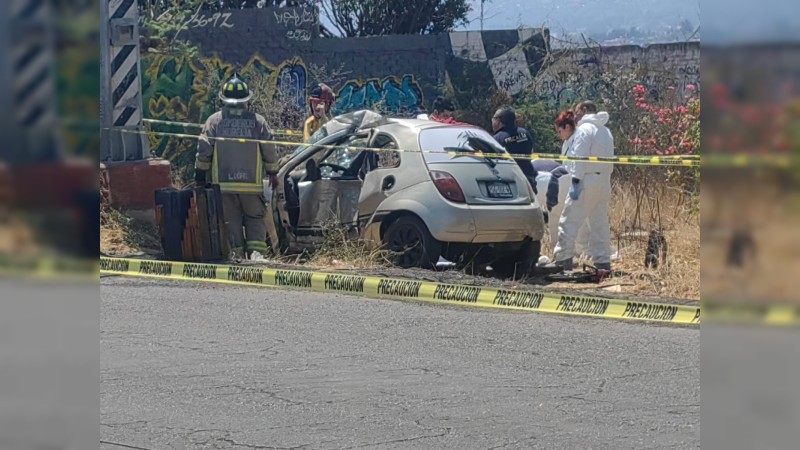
x=665 y=128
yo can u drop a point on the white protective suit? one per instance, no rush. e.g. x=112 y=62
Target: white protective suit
x=591 y=138
x=543 y=189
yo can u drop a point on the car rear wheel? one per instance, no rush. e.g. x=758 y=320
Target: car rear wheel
x=519 y=264
x=411 y=244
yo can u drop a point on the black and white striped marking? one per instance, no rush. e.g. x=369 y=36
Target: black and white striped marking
x=125 y=85
x=32 y=56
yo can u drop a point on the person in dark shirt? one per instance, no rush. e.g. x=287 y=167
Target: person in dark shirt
x=516 y=140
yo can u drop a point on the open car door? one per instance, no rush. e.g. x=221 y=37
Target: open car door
x=320 y=185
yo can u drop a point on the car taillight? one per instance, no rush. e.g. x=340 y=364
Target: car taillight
x=447 y=186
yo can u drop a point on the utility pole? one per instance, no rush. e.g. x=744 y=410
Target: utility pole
x=482 y=2
x=125 y=162
x=120 y=83
x=27 y=72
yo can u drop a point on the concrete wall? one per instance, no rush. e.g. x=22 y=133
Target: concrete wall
x=583 y=71
x=401 y=74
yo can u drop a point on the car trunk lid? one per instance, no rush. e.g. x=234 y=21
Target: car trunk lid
x=483 y=169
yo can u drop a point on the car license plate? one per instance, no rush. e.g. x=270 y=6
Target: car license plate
x=499 y=190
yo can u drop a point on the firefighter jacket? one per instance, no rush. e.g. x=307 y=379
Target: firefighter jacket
x=237 y=166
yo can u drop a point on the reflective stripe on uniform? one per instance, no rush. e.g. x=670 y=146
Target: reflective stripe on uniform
x=256 y=187
x=202 y=165
x=241 y=188
x=258 y=246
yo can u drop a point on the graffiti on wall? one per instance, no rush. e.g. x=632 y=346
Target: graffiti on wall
x=186 y=90
x=401 y=96
x=563 y=88
x=669 y=72
x=292 y=81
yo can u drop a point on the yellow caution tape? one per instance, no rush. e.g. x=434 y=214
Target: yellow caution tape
x=755 y=313
x=401 y=289
x=59 y=268
x=723 y=160
x=200 y=125
x=677 y=160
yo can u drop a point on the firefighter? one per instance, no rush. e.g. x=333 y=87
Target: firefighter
x=320 y=101
x=238 y=167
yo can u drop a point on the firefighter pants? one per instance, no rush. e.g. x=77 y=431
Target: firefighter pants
x=244 y=215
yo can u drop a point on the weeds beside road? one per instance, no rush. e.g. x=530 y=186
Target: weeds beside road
x=678 y=280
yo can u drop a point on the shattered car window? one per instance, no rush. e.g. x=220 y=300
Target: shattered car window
x=318 y=135
x=356 y=120
x=388 y=159
x=433 y=142
x=344 y=156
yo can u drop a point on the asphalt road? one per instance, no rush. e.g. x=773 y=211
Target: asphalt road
x=189 y=366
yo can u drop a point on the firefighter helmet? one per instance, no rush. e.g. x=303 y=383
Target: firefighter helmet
x=324 y=93
x=235 y=92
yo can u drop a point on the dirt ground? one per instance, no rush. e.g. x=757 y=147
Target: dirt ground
x=770 y=214
x=631 y=280
x=677 y=281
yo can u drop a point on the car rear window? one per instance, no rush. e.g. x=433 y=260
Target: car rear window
x=433 y=141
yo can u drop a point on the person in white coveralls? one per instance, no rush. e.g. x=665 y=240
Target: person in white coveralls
x=590 y=189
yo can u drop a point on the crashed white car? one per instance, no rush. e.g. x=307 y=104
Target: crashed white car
x=422 y=197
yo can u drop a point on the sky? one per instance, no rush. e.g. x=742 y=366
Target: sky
x=724 y=21
x=584 y=15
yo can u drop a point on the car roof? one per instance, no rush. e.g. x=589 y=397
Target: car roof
x=410 y=128
x=420 y=124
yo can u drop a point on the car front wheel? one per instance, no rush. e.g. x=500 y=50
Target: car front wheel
x=411 y=245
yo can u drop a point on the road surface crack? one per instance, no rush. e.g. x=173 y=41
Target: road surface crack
x=124 y=445
x=259 y=447
x=651 y=372
x=252 y=390
x=508 y=444
x=398 y=441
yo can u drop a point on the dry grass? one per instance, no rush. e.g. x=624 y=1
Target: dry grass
x=16 y=237
x=679 y=278
x=113 y=237
x=772 y=216
x=676 y=216
x=121 y=235
x=343 y=250
x=679 y=222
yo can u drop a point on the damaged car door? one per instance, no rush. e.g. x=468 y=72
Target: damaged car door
x=320 y=185
x=331 y=188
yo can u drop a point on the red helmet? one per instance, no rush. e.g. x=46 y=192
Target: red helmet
x=324 y=93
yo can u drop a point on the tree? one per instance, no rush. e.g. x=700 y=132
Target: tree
x=356 y=18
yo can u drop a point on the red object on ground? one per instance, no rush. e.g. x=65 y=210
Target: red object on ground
x=49 y=185
x=132 y=184
x=6 y=188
